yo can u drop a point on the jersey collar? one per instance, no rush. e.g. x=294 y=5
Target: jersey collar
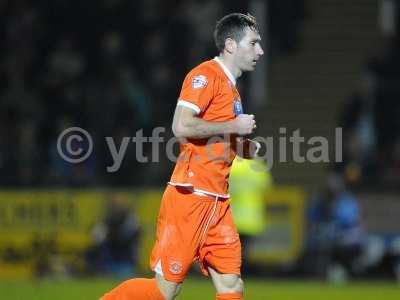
x=226 y=70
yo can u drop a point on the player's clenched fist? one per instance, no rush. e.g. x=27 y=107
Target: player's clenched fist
x=245 y=124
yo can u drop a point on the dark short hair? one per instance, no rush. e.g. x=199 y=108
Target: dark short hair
x=233 y=26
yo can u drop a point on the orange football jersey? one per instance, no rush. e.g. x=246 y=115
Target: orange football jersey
x=204 y=164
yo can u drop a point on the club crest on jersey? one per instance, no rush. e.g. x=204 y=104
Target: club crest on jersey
x=237 y=107
x=199 y=81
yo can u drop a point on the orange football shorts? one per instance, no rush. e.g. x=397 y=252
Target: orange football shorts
x=192 y=228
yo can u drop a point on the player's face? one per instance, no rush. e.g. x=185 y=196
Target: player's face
x=248 y=50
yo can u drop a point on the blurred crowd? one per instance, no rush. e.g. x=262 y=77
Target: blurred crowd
x=105 y=66
x=371 y=124
x=370 y=115
x=112 y=67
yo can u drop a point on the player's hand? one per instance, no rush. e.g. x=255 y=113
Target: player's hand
x=254 y=148
x=247 y=148
x=245 y=124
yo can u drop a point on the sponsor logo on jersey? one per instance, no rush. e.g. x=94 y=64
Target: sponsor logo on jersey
x=199 y=81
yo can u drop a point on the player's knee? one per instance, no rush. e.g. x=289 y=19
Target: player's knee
x=169 y=289
x=231 y=284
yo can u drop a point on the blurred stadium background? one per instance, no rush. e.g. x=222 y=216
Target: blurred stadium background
x=114 y=67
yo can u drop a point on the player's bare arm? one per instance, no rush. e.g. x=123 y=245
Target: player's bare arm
x=187 y=125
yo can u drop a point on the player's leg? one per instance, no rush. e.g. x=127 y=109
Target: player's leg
x=156 y=288
x=169 y=289
x=220 y=255
x=183 y=219
x=138 y=289
x=228 y=286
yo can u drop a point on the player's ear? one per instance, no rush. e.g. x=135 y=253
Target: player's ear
x=230 y=45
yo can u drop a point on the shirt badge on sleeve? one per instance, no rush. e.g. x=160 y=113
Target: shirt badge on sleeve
x=237 y=107
x=199 y=81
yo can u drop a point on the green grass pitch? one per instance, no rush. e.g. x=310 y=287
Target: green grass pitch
x=202 y=289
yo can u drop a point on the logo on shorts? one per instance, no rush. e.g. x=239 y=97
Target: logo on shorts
x=199 y=81
x=175 y=267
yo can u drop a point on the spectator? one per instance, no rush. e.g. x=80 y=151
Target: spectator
x=249 y=182
x=357 y=120
x=335 y=235
x=115 y=240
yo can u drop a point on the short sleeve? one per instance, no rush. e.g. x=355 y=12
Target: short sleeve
x=197 y=90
